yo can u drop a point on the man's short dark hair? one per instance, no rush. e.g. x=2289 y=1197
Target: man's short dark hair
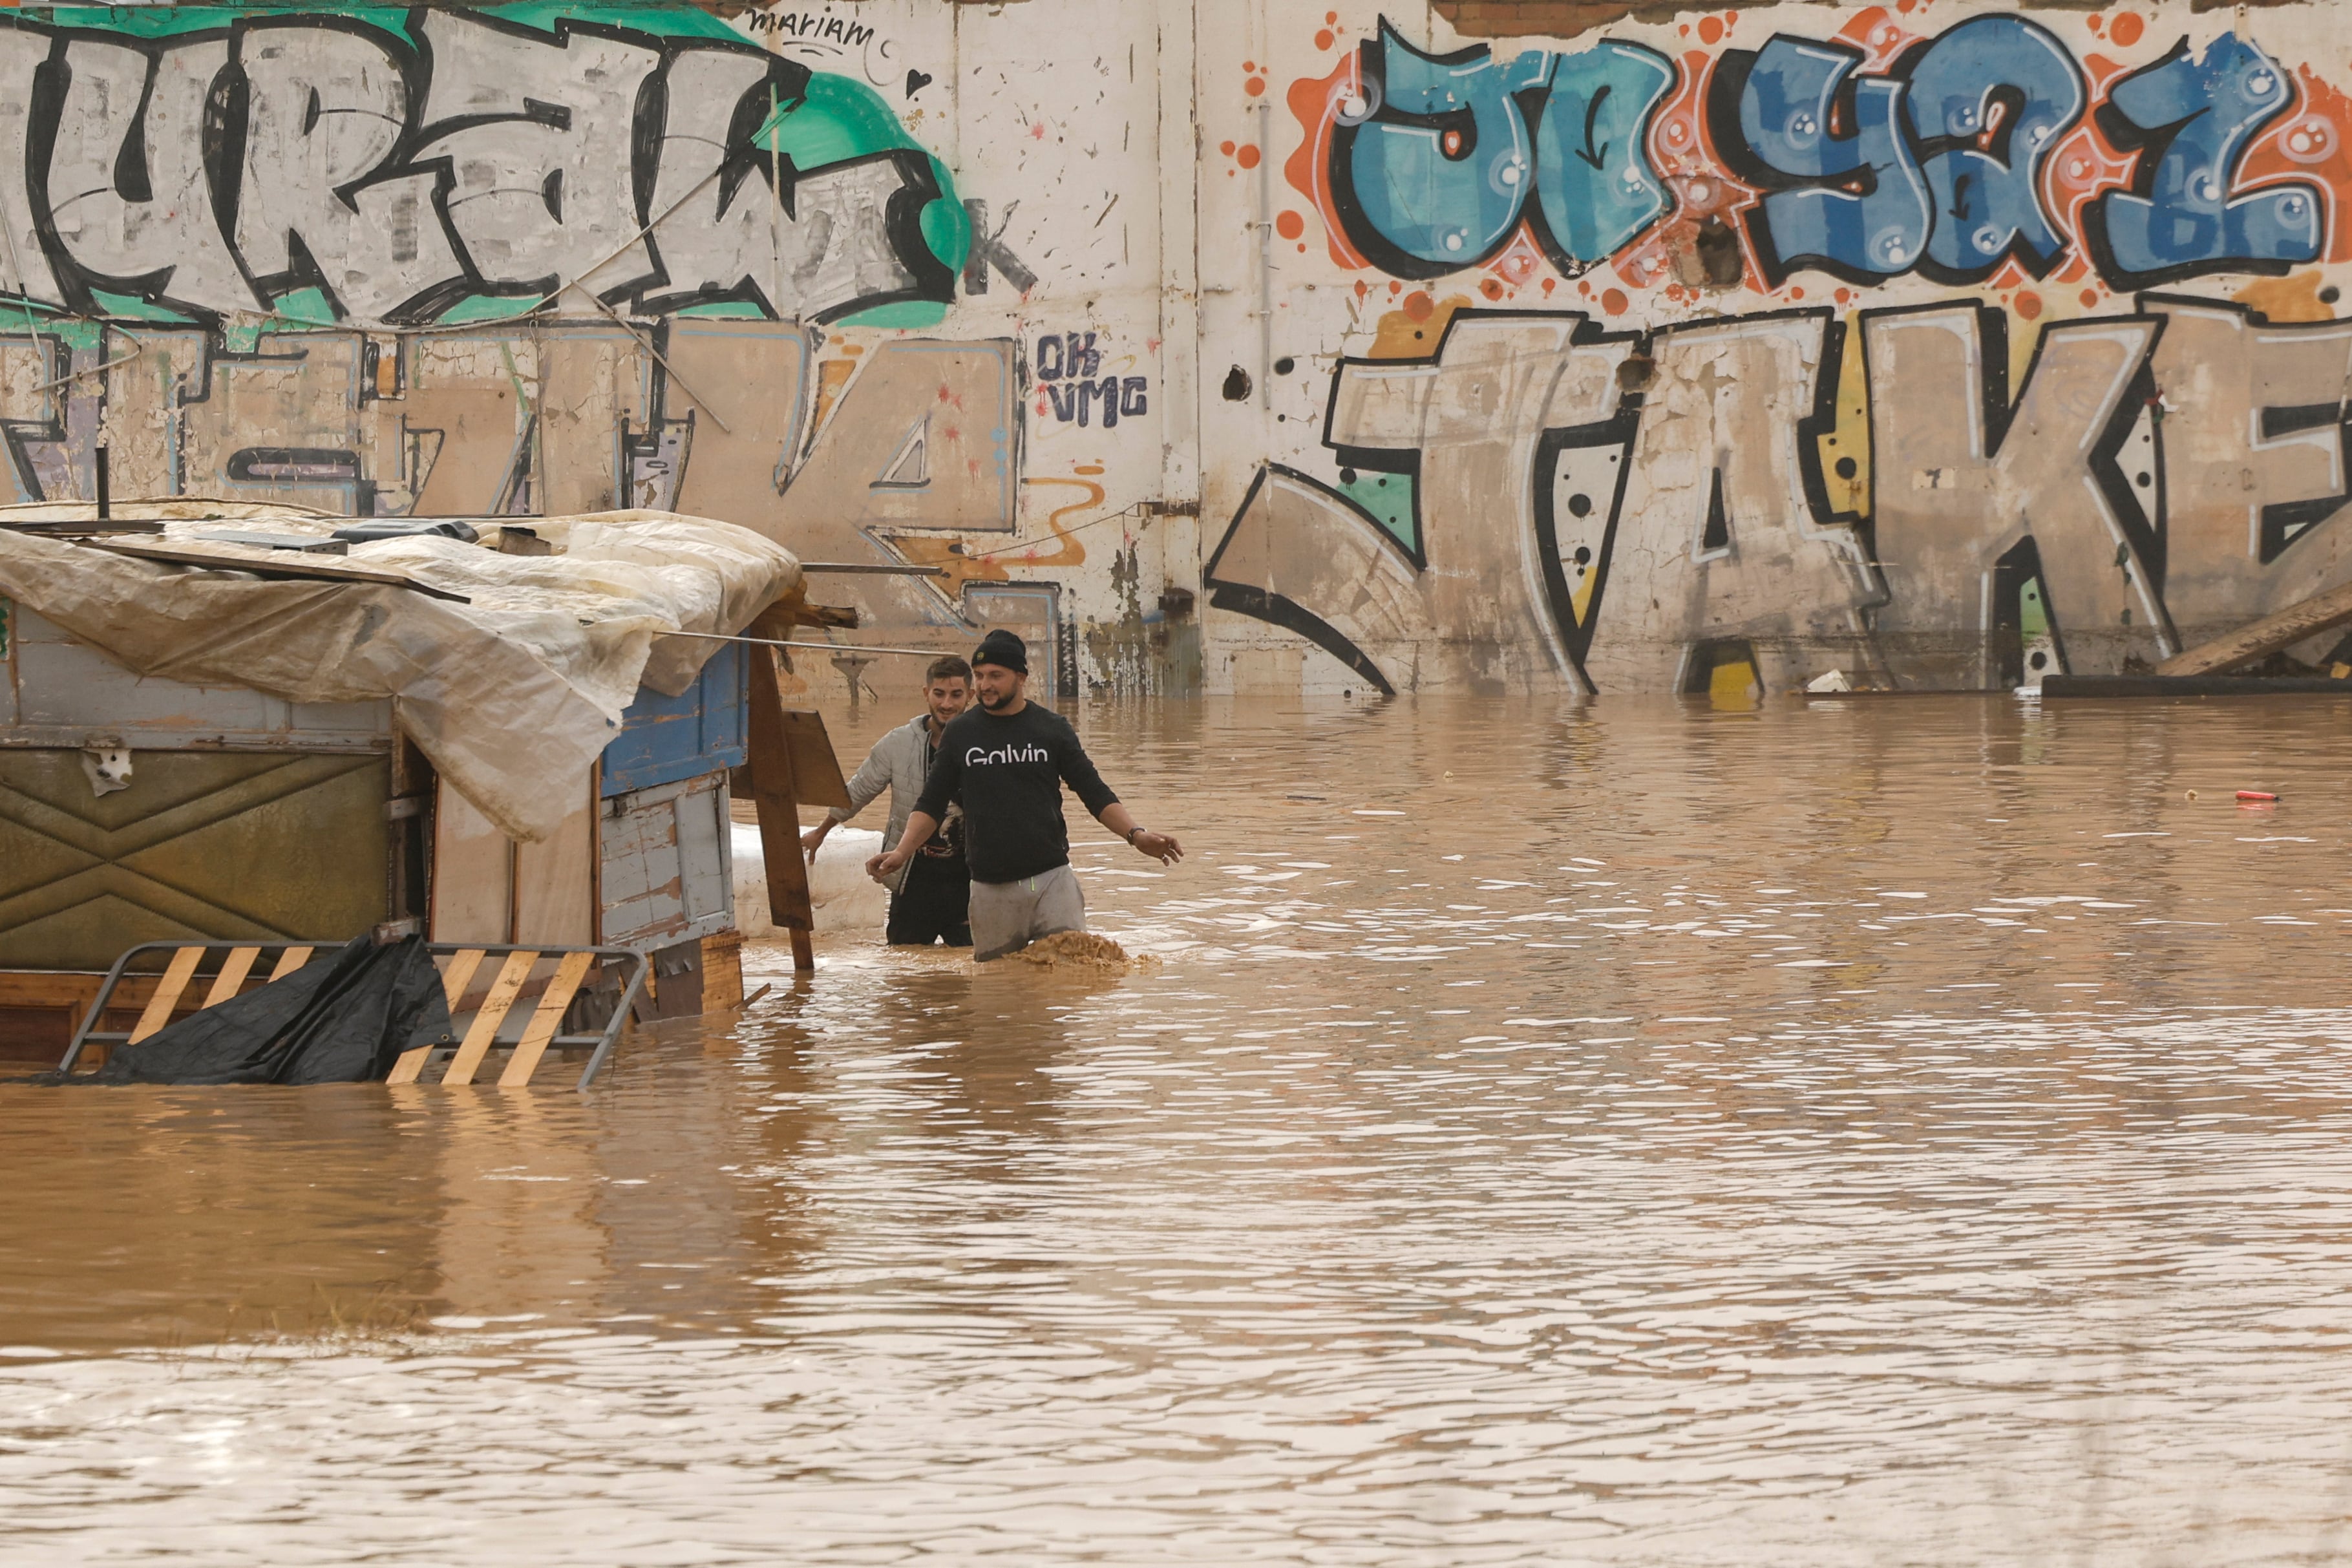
x=947 y=668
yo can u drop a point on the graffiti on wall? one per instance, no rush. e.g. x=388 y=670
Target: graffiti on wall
x=1072 y=387
x=917 y=435
x=285 y=257
x=453 y=165
x=2061 y=467
x=1985 y=151
x=1616 y=511
x=917 y=442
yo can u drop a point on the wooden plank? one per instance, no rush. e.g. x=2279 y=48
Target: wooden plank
x=410 y=1067
x=476 y=1043
x=543 y=1023
x=816 y=771
x=555 y=881
x=705 y=854
x=818 y=776
x=231 y=978
x=460 y=973
x=176 y=975
x=779 y=810
x=637 y=846
x=274 y=564
x=2321 y=612
x=473 y=872
x=780 y=620
x=293 y=959
x=722 y=971
x=76 y=530
x=454 y=981
x=75 y=988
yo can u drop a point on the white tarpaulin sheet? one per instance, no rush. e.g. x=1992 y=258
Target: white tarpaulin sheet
x=511 y=695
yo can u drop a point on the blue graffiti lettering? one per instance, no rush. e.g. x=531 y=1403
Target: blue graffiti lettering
x=1436 y=166
x=1594 y=186
x=2194 y=120
x=1935 y=164
x=1987 y=104
x=1846 y=194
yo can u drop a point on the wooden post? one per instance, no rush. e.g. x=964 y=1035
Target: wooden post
x=2320 y=612
x=778 y=802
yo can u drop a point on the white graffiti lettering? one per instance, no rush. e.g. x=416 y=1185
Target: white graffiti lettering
x=1645 y=512
x=539 y=141
x=325 y=108
x=126 y=187
x=218 y=173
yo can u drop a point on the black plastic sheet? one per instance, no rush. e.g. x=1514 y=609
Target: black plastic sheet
x=346 y=1019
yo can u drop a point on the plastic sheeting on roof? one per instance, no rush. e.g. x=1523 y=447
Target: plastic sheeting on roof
x=511 y=695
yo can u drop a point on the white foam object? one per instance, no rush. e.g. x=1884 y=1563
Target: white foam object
x=1834 y=680
x=844 y=898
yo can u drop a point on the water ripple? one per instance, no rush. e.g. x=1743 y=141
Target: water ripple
x=1870 y=1135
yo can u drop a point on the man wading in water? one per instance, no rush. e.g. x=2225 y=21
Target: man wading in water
x=930 y=899
x=1007 y=760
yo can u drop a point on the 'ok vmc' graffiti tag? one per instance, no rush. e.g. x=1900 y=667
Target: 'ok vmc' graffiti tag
x=1935 y=164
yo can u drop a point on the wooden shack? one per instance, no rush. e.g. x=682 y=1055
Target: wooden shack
x=244 y=817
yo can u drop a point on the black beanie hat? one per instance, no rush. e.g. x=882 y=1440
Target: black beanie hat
x=1004 y=650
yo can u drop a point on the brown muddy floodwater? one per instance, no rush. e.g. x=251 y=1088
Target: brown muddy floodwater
x=1878 y=1132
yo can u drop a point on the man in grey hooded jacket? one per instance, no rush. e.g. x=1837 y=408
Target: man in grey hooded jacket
x=931 y=896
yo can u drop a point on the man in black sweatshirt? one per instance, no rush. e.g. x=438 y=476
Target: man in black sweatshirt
x=1007 y=760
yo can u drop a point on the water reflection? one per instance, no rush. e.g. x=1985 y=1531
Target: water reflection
x=1866 y=1132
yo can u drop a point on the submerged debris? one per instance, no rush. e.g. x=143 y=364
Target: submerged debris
x=1076 y=947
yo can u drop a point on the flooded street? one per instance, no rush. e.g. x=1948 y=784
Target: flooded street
x=1882 y=1131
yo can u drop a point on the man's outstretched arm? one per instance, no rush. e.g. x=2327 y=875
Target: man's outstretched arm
x=872 y=777
x=1159 y=847
x=920 y=828
x=1078 y=771
x=940 y=788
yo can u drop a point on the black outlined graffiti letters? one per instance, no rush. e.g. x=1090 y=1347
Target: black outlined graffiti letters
x=218 y=172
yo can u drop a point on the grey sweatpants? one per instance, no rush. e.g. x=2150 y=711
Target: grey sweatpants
x=1008 y=916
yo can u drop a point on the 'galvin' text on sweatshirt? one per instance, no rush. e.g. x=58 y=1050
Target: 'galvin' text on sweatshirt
x=1009 y=773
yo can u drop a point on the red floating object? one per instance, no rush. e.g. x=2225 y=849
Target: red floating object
x=2254 y=795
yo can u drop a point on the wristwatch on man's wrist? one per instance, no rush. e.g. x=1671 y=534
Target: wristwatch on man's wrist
x=1132 y=832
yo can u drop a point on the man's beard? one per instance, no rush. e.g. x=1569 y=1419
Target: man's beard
x=994 y=704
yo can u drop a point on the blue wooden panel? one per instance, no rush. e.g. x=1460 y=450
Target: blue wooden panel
x=666 y=739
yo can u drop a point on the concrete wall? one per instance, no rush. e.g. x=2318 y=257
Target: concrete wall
x=1244 y=344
